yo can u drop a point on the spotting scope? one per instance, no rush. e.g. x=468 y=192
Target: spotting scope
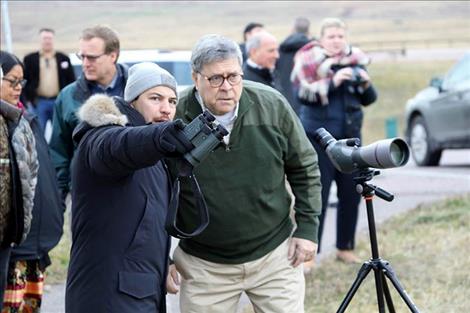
x=347 y=155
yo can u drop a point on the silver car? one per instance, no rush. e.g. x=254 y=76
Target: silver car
x=438 y=117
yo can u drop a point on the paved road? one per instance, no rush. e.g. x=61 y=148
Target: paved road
x=411 y=186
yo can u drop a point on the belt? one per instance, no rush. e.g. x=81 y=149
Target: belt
x=47 y=98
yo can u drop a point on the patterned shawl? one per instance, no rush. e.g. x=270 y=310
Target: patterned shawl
x=312 y=72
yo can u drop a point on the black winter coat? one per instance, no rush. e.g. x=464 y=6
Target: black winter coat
x=343 y=115
x=259 y=75
x=120 y=196
x=31 y=73
x=285 y=63
x=48 y=210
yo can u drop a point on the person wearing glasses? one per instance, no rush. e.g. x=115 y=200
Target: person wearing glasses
x=35 y=208
x=120 y=196
x=250 y=244
x=99 y=51
x=47 y=71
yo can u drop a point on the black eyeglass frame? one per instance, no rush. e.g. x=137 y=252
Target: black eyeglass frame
x=237 y=76
x=15 y=82
x=91 y=58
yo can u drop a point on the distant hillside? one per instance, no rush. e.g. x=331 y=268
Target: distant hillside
x=178 y=24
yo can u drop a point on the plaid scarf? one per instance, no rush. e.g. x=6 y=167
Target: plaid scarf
x=312 y=72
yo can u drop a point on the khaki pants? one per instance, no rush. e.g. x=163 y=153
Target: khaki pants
x=271 y=284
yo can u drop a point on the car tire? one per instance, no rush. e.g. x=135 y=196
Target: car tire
x=421 y=145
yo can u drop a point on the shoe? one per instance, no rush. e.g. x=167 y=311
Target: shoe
x=347 y=256
x=308 y=267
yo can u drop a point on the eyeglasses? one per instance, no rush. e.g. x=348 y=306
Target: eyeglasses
x=217 y=80
x=15 y=82
x=91 y=58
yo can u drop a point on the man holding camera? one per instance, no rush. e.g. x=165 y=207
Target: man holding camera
x=120 y=196
x=249 y=245
x=331 y=83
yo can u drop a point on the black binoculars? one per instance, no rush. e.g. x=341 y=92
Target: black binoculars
x=204 y=135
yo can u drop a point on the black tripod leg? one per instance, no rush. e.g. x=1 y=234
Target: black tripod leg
x=388 y=297
x=396 y=283
x=363 y=271
x=379 y=278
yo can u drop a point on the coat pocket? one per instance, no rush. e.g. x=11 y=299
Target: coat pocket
x=139 y=285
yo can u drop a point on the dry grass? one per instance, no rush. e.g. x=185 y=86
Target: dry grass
x=60 y=255
x=396 y=82
x=427 y=250
x=178 y=24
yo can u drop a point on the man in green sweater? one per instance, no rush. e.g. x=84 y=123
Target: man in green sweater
x=250 y=244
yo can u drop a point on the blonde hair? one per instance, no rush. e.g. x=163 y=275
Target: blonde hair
x=331 y=22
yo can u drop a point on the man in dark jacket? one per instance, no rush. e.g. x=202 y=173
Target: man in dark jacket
x=120 y=196
x=287 y=50
x=47 y=72
x=262 y=49
x=99 y=51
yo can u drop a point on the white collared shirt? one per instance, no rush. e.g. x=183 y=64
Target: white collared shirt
x=226 y=120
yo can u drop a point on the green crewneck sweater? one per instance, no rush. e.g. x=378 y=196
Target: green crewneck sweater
x=244 y=182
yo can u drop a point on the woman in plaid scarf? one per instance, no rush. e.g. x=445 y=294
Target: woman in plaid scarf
x=331 y=83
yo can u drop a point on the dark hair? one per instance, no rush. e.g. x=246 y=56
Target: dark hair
x=8 y=61
x=249 y=27
x=48 y=30
x=301 y=25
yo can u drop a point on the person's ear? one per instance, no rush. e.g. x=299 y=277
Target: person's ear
x=195 y=80
x=114 y=56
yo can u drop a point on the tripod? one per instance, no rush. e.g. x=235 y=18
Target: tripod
x=382 y=268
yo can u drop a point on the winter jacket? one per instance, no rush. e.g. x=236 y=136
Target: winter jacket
x=343 y=116
x=244 y=182
x=64 y=121
x=31 y=70
x=120 y=196
x=285 y=63
x=259 y=75
x=24 y=170
x=47 y=215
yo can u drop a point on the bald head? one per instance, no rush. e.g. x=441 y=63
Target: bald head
x=262 y=48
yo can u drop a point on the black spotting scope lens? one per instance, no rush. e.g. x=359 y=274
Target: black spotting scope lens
x=323 y=138
x=399 y=152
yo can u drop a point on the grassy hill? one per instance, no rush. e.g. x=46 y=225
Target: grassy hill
x=178 y=24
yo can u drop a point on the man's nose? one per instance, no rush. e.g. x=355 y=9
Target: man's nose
x=165 y=107
x=225 y=85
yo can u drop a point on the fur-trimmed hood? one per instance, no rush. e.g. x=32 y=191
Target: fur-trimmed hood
x=100 y=110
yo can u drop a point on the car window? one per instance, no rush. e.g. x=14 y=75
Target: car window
x=180 y=70
x=459 y=75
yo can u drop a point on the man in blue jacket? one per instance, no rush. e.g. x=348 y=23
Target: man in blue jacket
x=121 y=192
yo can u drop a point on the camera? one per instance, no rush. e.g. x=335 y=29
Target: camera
x=204 y=135
x=348 y=157
x=356 y=78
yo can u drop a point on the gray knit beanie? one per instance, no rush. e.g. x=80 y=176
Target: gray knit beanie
x=146 y=75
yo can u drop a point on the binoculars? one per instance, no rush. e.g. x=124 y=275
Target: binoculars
x=204 y=135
